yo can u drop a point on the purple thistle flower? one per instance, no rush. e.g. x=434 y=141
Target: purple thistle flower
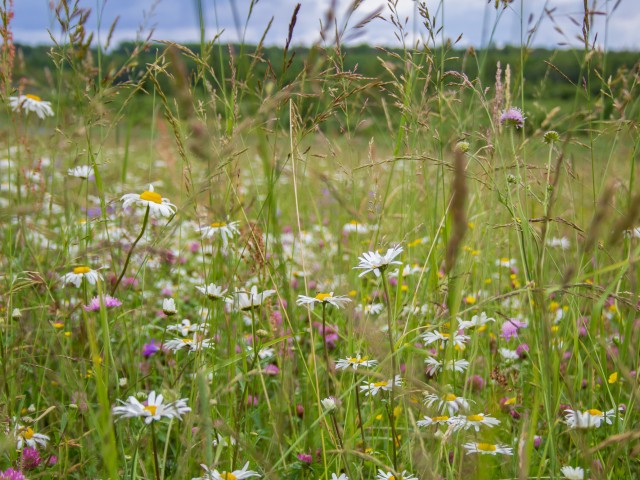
x=150 y=348
x=11 y=474
x=513 y=117
x=109 y=302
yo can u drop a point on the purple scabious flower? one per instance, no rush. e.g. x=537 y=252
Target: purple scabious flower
x=512 y=117
x=11 y=474
x=109 y=302
x=150 y=348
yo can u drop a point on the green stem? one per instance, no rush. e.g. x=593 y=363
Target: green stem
x=155 y=449
x=126 y=263
x=392 y=397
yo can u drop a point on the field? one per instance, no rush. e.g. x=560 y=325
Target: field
x=223 y=262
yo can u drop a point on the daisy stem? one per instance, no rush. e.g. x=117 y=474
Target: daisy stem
x=364 y=444
x=126 y=262
x=392 y=396
x=324 y=345
x=155 y=448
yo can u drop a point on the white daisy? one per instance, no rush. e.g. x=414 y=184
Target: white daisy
x=329 y=404
x=31 y=103
x=372 y=389
x=341 y=477
x=439 y=420
x=506 y=262
x=476 y=321
x=509 y=354
x=244 y=301
x=226 y=231
x=191 y=344
x=77 y=274
x=263 y=353
x=458 y=339
x=154 y=409
x=210 y=474
x=487 y=448
x=382 y=475
x=355 y=362
x=81 y=171
x=374 y=262
x=589 y=418
x=26 y=437
x=157 y=205
x=449 y=402
x=561 y=243
x=186 y=327
x=465 y=422
x=572 y=473
x=434 y=366
x=370 y=308
x=212 y=291
x=338 y=302
x=355 y=227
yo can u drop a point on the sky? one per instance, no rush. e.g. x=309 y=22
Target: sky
x=476 y=20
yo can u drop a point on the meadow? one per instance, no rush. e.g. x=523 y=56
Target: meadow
x=223 y=262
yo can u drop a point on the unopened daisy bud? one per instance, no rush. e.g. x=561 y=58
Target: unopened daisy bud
x=551 y=137
x=329 y=404
x=462 y=146
x=16 y=314
x=169 y=306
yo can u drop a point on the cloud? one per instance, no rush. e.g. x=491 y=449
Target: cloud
x=476 y=20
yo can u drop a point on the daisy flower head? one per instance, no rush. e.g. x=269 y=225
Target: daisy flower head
x=487 y=448
x=372 y=389
x=572 y=473
x=212 y=291
x=31 y=103
x=438 y=420
x=191 y=344
x=226 y=231
x=465 y=422
x=341 y=477
x=169 y=307
x=76 y=276
x=434 y=366
x=355 y=362
x=382 y=475
x=246 y=301
x=506 y=262
x=153 y=409
x=324 y=298
x=436 y=336
x=212 y=474
x=185 y=327
x=448 y=401
x=81 y=171
x=513 y=117
x=376 y=263
x=591 y=418
x=355 y=227
x=157 y=205
x=476 y=321
x=26 y=437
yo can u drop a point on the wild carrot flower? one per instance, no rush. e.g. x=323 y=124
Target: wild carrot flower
x=325 y=298
x=235 y=475
x=157 y=205
x=154 y=410
x=31 y=103
x=226 y=231
x=355 y=362
x=513 y=117
x=109 y=302
x=376 y=263
x=487 y=448
x=76 y=276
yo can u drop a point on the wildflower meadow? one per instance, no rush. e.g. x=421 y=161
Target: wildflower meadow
x=233 y=260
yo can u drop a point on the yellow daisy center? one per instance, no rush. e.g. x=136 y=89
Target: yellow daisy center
x=151 y=409
x=323 y=296
x=228 y=476
x=594 y=412
x=442 y=418
x=28 y=433
x=218 y=225
x=450 y=397
x=33 y=97
x=475 y=418
x=81 y=270
x=186 y=340
x=445 y=335
x=353 y=222
x=151 y=197
x=381 y=384
x=357 y=360
x=486 y=447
